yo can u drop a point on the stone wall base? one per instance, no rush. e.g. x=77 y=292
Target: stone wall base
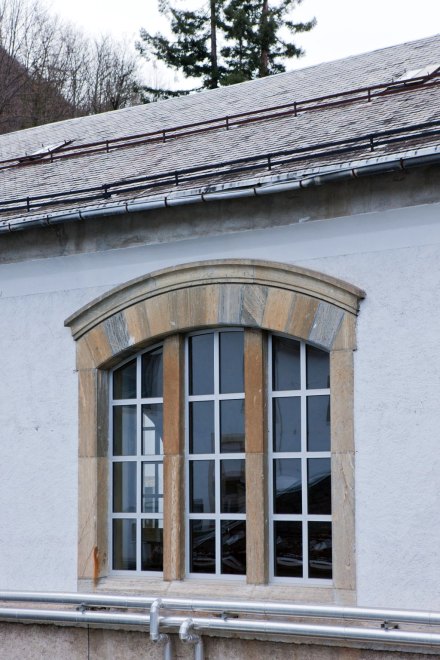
x=48 y=642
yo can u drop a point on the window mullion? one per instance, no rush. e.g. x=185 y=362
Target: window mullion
x=255 y=386
x=217 y=455
x=304 y=490
x=174 y=447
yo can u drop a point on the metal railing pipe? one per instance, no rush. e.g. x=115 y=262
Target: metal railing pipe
x=188 y=636
x=194 y=605
x=339 y=633
x=74 y=616
x=155 y=634
x=302 y=610
x=88 y=600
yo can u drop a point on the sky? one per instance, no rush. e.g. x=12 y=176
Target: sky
x=345 y=27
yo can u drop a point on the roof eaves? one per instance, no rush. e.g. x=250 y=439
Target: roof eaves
x=253 y=187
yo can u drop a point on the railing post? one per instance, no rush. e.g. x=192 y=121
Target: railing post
x=188 y=636
x=155 y=634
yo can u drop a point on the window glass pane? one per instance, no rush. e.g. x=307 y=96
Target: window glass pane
x=202 y=546
x=124 y=430
x=285 y=364
x=318 y=423
x=152 y=374
x=233 y=547
x=152 y=545
x=287 y=424
x=231 y=362
x=152 y=487
x=233 y=486
x=201 y=364
x=232 y=425
x=124 y=487
x=287 y=485
x=320 y=550
x=288 y=551
x=202 y=486
x=201 y=427
x=124 y=545
x=124 y=381
x=318 y=368
x=152 y=429
x=319 y=486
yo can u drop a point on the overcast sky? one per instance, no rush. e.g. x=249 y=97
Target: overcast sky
x=345 y=27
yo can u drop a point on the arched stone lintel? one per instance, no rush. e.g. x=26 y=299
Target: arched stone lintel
x=212 y=305
x=252 y=277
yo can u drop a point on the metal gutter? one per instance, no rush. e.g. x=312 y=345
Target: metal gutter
x=267 y=185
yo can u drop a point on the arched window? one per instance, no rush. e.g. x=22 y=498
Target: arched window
x=298 y=467
x=223 y=459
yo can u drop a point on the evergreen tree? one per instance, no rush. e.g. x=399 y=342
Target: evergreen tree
x=253 y=32
x=227 y=41
x=194 y=50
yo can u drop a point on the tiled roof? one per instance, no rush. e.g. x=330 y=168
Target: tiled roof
x=310 y=133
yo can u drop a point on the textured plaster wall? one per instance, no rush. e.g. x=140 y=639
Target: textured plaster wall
x=33 y=642
x=393 y=255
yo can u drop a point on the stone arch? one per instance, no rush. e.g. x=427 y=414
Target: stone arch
x=249 y=293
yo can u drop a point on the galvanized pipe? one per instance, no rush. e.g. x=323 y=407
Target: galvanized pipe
x=194 y=605
x=265 y=608
x=155 y=634
x=87 y=600
x=233 y=625
x=188 y=636
x=339 y=633
x=76 y=617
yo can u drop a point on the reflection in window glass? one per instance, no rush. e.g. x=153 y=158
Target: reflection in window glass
x=318 y=369
x=201 y=427
x=320 y=550
x=233 y=547
x=231 y=362
x=288 y=549
x=318 y=423
x=152 y=487
x=152 y=374
x=124 y=545
x=152 y=429
x=202 y=546
x=124 y=381
x=137 y=481
x=233 y=486
x=232 y=425
x=152 y=545
x=216 y=483
x=287 y=424
x=201 y=364
x=124 y=487
x=202 y=486
x=285 y=364
x=287 y=485
x=319 y=486
x=300 y=477
x=124 y=430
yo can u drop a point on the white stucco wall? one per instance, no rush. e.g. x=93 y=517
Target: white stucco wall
x=394 y=256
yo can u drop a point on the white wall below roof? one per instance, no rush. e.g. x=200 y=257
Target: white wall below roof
x=394 y=256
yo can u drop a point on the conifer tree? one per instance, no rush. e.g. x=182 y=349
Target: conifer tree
x=194 y=50
x=227 y=41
